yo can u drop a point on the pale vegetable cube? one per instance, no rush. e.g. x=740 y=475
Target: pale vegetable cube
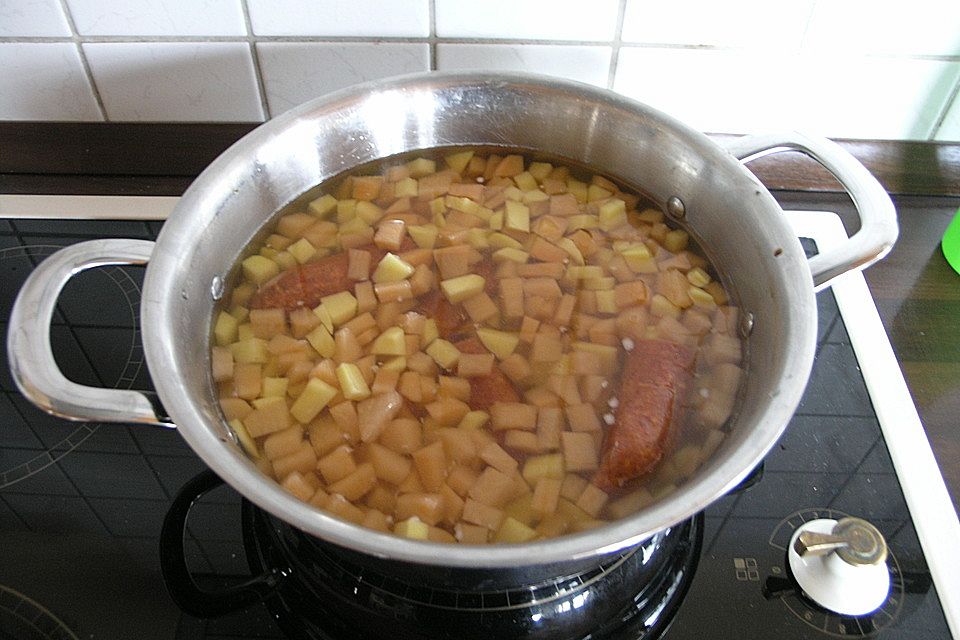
x=312 y=400
x=431 y=465
x=342 y=508
x=340 y=307
x=583 y=417
x=392 y=268
x=323 y=206
x=463 y=287
x=612 y=214
x=549 y=465
x=225 y=329
x=391 y=342
x=412 y=528
x=425 y=236
x=500 y=343
x=474 y=420
x=243 y=437
x=274 y=387
x=376 y=412
x=443 y=353
x=268 y=417
x=258 y=269
x=546 y=495
x=321 y=340
x=639 y=258
x=458 y=161
x=596 y=192
x=250 y=351
x=676 y=240
x=493 y=488
x=427 y=507
x=579 y=451
x=509 y=166
x=510 y=254
x=592 y=500
x=572 y=486
x=352 y=384
x=516 y=217
x=221 y=363
x=503 y=241
x=266 y=323
x=701 y=298
x=480 y=307
x=389 y=465
x=346 y=346
x=513 y=415
x=357 y=484
x=302 y=250
x=546 y=348
x=235 y=408
x=494 y=455
x=474 y=365
x=421 y=167
x=483 y=515
x=303 y=459
x=524 y=441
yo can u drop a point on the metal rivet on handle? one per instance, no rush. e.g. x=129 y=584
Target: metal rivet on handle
x=746 y=324
x=675 y=208
x=216 y=288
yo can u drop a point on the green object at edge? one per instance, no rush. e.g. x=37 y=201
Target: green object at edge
x=951 y=242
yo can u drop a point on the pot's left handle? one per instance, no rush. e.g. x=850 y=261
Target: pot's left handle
x=30 y=353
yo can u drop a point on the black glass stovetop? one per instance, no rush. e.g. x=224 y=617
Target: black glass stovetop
x=81 y=505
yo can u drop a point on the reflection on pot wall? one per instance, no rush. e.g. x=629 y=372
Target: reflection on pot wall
x=847 y=68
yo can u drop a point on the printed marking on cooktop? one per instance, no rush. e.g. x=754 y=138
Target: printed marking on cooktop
x=130 y=292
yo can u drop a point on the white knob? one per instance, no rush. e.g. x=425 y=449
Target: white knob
x=841 y=565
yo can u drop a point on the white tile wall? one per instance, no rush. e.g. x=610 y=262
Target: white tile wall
x=528 y=19
x=296 y=72
x=32 y=18
x=177 y=81
x=729 y=91
x=355 y=18
x=43 y=81
x=731 y=23
x=158 y=17
x=842 y=68
x=586 y=64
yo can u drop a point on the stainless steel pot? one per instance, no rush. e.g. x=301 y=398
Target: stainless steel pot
x=701 y=183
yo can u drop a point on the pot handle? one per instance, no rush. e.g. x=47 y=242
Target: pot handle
x=30 y=353
x=173 y=561
x=878 y=218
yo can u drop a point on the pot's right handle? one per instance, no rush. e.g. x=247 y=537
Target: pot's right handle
x=30 y=353
x=878 y=218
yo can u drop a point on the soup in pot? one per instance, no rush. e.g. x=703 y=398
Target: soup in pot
x=477 y=347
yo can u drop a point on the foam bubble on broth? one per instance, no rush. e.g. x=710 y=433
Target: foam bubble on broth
x=477 y=346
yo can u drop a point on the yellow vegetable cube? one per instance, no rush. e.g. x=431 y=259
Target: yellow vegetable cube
x=406 y=188
x=302 y=250
x=413 y=527
x=391 y=342
x=545 y=466
x=443 y=353
x=509 y=253
x=500 y=343
x=516 y=217
x=460 y=288
x=323 y=206
x=325 y=319
x=639 y=258
x=274 y=387
x=421 y=167
x=503 y=241
x=250 y=351
x=612 y=214
x=341 y=307
x=352 y=384
x=430 y=331
x=392 y=268
x=513 y=531
x=596 y=192
x=474 y=420
x=225 y=329
x=259 y=269
x=312 y=400
x=424 y=235
x=244 y=438
x=526 y=182
x=540 y=170
x=458 y=161
x=676 y=240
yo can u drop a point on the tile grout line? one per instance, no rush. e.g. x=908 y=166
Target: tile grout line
x=255 y=55
x=432 y=41
x=78 y=43
x=952 y=98
x=617 y=40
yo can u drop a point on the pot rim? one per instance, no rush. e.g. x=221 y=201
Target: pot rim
x=216 y=448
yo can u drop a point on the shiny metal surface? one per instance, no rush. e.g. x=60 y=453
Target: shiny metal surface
x=878 y=218
x=32 y=361
x=856 y=542
x=726 y=209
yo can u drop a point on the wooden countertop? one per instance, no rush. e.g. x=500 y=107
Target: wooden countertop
x=917 y=293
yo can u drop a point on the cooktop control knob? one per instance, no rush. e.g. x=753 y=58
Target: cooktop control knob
x=841 y=565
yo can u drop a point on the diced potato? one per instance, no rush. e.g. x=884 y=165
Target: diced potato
x=340 y=307
x=612 y=214
x=425 y=236
x=512 y=531
x=474 y=365
x=676 y=240
x=243 y=437
x=312 y=400
x=250 y=351
x=482 y=515
x=352 y=384
x=592 y=500
x=412 y=528
x=225 y=329
x=376 y=412
x=458 y=161
x=421 y=167
x=516 y=217
x=463 y=287
x=258 y=269
x=391 y=268
x=579 y=451
x=390 y=343
x=550 y=465
x=443 y=353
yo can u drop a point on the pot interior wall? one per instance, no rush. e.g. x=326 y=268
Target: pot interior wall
x=734 y=217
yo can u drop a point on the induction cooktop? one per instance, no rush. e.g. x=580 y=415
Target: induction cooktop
x=82 y=505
